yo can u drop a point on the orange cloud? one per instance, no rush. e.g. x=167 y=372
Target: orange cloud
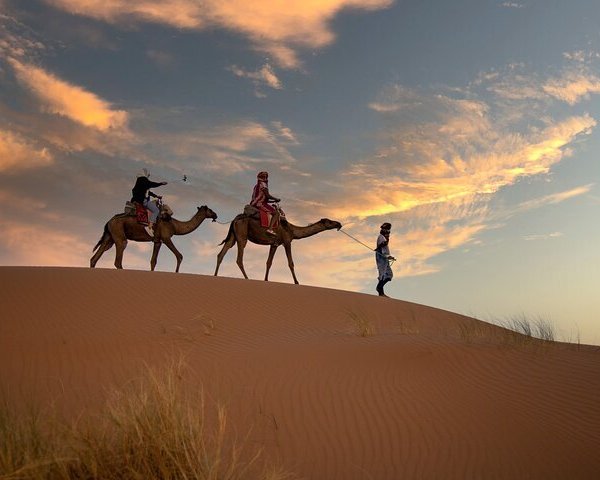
x=62 y=98
x=265 y=76
x=572 y=87
x=462 y=157
x=233 y=148
x=439 y=163
x=17 y=153
x=33 y=245
x=573 y=84
x=274 y=26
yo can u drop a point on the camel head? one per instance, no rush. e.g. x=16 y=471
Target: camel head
x=330 y=224
x=208 y=213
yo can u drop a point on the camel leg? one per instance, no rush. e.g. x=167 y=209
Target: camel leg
x=120 y=246
x=241 y=244
x=224 y=250
x=177 y=253
x=154 y=258
x=288 y=252
x=272 y=251
x=106 y=245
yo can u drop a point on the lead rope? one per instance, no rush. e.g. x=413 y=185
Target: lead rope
x=366 y=246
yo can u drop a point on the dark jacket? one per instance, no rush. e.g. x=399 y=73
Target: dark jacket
x=142 y=184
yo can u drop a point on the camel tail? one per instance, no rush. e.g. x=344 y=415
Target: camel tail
x=230 y=233
x=104 y=235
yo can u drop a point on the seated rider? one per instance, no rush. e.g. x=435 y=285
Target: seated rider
x=141 y=195
x=261 y=198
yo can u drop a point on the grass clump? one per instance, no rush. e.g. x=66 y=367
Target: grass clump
x=362 y=325
x=150 y=430
x=516 y=330
x=537 y=327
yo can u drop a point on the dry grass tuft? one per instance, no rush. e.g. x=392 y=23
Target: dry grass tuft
x=517 y=330
x=362 y=325
x=537 y=328
x=149 y=430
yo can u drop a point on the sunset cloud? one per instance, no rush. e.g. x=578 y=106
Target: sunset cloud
x=543 y=236
x=17 y=40
x=572 y=87
x=35 y=245
x=573 y=84
x=274 y=27
x=264 y=77
x=553 y=198
x=62 y=98
x=230 y=148
x=441 y=160
x=462 y=151
x=18 y=153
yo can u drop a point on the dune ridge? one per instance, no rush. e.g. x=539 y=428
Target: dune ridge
x=416 y=399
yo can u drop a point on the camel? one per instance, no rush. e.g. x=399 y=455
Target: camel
x=123 y=227
x=244 y=228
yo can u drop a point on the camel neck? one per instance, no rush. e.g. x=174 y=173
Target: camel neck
x=308 y=231
x=183 y=228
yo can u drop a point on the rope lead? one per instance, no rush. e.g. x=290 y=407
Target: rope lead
x=365 y=245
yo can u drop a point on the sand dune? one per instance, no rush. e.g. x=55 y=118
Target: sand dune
x=429 y=395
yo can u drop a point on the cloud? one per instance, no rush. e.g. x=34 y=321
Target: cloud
x=573 y=84
x=62 y=98
x=582 y=56
x=396 y=97
x=16 y=39
x=462 y=152
x=545 y=236
x=227 y=148
x=264 y=77
x=440 y=160
x=275 y=27
x=17 y=153
x=512 y=5
x=161 y=58
x=31 y=244
x=551 y=199
x=572 y=87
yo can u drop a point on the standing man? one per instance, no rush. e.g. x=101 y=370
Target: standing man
x=383 y=258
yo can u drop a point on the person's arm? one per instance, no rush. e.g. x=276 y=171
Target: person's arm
x=152 y=194
x=152 y=184
x=268 y=195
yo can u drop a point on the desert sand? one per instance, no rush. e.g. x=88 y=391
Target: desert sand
x=428 y=394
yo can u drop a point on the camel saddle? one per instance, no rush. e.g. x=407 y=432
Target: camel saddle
x=264 y=217
x=141 y=213
x=136 y=210
x=252 y=212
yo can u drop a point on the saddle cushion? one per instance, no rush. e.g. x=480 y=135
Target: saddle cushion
x=141 y=214
x=251 y=211
x=264 y=217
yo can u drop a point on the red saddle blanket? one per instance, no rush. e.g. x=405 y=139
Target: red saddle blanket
x=141 y=213
x=265 y=218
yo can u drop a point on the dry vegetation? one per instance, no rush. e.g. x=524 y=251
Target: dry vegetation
x=362 y=325
x=516 y=330
x=149 y=430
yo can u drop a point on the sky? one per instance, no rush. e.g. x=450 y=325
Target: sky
x=471 y=126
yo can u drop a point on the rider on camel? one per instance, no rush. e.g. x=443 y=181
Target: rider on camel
x=261 y=198
x=141 y=195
